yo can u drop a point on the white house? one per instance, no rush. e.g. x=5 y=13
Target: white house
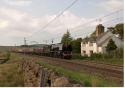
x=98 y=43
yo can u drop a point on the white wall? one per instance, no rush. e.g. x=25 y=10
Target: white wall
x=101 y=49
x=87 y=47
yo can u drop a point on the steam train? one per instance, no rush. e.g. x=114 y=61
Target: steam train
x=54 y=50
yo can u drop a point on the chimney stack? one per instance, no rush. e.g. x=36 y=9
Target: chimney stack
x=99 y=30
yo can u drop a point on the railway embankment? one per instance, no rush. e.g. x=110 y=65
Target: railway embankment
x=40 y=76
x=4 y=57
x=44 y=71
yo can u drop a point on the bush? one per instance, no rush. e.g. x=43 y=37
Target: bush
x=87 y=83
x=8 y=55
x=78 y=56
x=96 y=55
x=118 y=53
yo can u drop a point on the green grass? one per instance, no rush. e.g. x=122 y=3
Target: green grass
x=10 y=72
x=78 y=57
x=83 y=78
x=117 y=61
x=10 y=76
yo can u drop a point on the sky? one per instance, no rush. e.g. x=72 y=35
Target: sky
x=27 y=18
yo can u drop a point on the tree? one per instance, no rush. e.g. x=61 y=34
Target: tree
x=111 y=46
x=112 y=29
x=76 y=45
x=66 y=38
x=119 y=28
x=93 y=34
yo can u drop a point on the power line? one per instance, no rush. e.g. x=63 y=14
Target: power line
x=107 y=15
x=45 y=26
x=102 y=23
x=105 y=22
x=97 y=18
x=85 y=24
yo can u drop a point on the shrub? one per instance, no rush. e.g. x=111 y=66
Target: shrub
x=87 y=83
x=78 y=56
x=118 y=53
x=8 y=55
x=96 y=55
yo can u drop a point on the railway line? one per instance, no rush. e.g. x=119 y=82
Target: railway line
x=103 y=65
x=107 y=71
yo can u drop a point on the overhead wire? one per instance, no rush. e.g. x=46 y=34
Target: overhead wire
x=88 y=33
x=45 y=26
x=102 y=17
x=114 y=12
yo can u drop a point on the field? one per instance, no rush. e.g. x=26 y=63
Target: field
x=11 y=74
x=83 y=78
x=74 y=73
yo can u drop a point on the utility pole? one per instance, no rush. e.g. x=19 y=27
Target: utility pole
x=25 y=41
x=52 y=41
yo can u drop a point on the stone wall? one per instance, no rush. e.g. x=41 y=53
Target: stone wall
x=39 y=76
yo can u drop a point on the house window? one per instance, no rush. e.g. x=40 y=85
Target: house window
x=91 y=52
x=83 y=44
x=90 y=44
x=84 y=52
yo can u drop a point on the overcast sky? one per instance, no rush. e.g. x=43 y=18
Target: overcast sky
x=26 y=18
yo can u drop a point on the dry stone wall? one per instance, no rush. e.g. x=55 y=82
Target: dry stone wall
x=39 y=76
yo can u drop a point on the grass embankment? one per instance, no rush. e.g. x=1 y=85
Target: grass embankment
x=114 y=61
x=83 y=78
x=10 y=73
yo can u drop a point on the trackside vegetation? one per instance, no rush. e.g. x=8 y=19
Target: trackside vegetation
x=83 y=78
x=113 y=57
x=10 y=72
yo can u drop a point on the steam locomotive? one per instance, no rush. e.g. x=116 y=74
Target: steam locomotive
x=58 y=50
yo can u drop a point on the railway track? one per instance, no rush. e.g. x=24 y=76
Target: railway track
x=100 y=64
x=107 y=71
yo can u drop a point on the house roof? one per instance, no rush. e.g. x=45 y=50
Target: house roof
x=97 y=39
x=90 y=39
x=99 y=44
